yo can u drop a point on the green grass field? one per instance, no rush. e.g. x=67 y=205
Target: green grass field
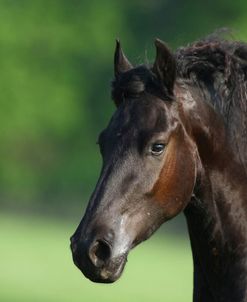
x=36 y=266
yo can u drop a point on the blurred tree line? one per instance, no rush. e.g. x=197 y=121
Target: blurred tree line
x=55 y=73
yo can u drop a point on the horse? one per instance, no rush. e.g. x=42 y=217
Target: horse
x=177 y=142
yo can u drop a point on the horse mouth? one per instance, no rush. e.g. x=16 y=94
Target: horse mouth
x=108 y=273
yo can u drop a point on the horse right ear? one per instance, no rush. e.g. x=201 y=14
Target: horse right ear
x=121 y=63
x=165 y=66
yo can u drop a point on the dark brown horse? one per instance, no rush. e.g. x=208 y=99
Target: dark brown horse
x=177 y=142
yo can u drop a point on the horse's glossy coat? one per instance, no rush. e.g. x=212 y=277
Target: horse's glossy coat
x=177 y=142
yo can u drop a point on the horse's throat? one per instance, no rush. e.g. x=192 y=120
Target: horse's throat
x=216 y=218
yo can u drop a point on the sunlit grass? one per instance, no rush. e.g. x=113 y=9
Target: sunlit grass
x=36 y=265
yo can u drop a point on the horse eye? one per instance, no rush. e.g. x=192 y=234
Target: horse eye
x=157 y=148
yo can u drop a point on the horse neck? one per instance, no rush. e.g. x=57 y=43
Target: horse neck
x=216 y=214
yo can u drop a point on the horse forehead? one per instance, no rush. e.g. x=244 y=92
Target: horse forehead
x=140 y=115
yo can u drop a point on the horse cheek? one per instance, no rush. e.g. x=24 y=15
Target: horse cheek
x=175 y=184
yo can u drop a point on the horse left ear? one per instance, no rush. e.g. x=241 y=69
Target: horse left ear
x=165 y=66
x=121 y=63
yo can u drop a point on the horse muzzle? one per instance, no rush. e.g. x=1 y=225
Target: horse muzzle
x=96 y=259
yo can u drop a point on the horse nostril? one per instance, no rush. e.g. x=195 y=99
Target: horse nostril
x=100 y=252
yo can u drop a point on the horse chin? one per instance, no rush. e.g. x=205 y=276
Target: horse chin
x=108 y=273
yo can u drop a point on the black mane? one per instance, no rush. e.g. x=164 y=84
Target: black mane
x=219 y=68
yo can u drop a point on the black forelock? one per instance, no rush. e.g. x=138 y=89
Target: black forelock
x=135 y=83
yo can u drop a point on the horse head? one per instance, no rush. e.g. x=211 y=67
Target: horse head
x=149 y=167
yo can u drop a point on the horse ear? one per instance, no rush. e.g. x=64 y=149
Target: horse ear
x=121 y=63
x=165 y=66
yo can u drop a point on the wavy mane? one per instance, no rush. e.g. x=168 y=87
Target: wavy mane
x=219 y=67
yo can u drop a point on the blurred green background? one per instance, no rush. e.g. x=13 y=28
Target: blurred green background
x=55 y=73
